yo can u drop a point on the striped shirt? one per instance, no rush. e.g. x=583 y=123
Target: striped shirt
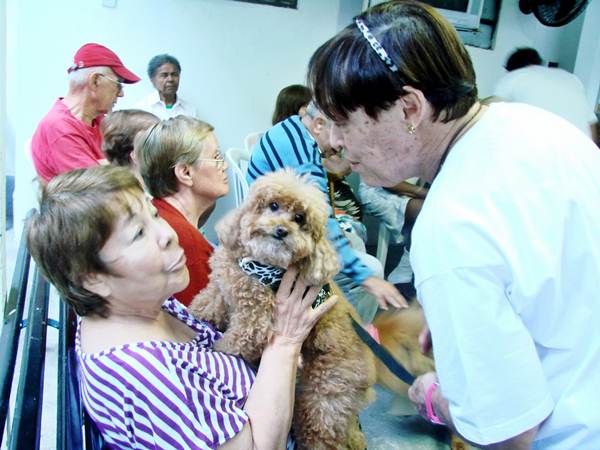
x=288 y=144
x=166 y=395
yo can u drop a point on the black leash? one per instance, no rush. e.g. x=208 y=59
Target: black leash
x=386 y=358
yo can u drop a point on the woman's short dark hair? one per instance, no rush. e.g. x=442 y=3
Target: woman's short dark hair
x=345 y=73
x=289 y=101
x=78 y=211
x=159 y=60
x=119 y=129
x=178 y=140
x=523 y=57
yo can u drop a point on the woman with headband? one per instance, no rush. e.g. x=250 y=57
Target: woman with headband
x=506 y=250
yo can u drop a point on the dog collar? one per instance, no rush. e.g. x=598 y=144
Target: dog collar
x=271 y=276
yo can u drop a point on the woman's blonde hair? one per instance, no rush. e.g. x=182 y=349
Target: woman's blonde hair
x=179 y=140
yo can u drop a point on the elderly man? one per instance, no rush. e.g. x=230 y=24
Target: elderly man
x=164 y=72
x=298 y=143
x=68 y=137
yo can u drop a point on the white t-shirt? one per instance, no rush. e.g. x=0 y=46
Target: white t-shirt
x=506 y=255
x=552 y=89
x=152 y=103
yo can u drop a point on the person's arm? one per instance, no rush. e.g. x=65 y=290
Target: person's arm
x=494 y=374
x=440 y=407
x=271 y=400
x=408 y=189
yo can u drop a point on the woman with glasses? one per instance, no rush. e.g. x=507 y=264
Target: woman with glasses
x=184 y=171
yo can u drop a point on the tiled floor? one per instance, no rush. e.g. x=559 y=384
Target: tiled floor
x=391 y=423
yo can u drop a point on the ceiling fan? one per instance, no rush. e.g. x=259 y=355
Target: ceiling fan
x=553 y=13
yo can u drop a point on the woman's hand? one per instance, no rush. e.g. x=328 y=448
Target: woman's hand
x=385 y=293
x=416 y=393
x=294 y=316
x=425 y=389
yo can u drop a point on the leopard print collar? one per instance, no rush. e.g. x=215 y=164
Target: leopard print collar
x=271 y=276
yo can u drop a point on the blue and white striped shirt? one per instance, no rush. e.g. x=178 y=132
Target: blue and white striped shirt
x=166 y=395
x=288 y=144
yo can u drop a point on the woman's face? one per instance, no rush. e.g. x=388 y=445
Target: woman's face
x=379 y=150
x=209 y=172
x=147 y=264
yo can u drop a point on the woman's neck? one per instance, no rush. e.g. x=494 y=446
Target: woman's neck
x=444 y=136
x=188 y=204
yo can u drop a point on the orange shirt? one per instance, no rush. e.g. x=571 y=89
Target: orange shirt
x=197 y=249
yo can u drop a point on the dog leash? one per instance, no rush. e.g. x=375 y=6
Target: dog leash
x=385 y=357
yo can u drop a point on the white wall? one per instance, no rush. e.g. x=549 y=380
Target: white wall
x=516 y=29
x=235 y=56
x=587 y=64
x=3 y=128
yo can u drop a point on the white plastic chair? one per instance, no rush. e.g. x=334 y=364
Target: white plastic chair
x=251 y=140
x=237 y=160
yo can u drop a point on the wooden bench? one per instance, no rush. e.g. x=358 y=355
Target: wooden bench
x=74 y=430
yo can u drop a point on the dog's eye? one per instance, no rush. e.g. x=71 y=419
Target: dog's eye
x=274 y=206
x=299 y=219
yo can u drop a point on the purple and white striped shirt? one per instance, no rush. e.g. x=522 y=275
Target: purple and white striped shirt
x=166 y=395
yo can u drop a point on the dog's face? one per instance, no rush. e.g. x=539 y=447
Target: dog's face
x=285 y=219
x=281 y=223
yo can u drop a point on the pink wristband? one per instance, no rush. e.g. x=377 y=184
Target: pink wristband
x=429 y=406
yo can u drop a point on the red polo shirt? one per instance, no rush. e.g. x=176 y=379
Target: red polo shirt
x=62 y=142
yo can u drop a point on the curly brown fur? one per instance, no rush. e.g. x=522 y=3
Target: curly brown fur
x=398 y=333
x=283 y=223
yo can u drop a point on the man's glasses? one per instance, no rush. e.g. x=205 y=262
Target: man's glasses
x=219 y=160
x=117 y=82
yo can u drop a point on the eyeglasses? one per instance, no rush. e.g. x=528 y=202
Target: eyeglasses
x=219 y=160
x=117 y=82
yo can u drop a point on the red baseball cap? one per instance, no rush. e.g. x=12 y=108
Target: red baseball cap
x=94 y=55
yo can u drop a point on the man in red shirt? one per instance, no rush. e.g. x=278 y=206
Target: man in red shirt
x=68 y=137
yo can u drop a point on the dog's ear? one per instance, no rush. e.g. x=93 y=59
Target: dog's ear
x=321 y=265
x=228 y=229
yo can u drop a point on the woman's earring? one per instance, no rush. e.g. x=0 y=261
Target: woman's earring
x=410 y=128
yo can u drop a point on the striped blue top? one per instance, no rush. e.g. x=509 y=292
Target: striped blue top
x=288 y=144
x=166 y=395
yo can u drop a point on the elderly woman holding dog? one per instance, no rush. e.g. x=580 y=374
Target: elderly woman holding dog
x=182 y=168
x=506 y=250
x=149 y=375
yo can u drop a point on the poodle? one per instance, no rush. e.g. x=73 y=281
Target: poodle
x=282 y=223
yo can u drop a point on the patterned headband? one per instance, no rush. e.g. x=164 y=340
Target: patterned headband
x=375 y=45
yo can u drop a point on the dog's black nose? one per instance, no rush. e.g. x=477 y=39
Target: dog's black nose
x=281 y=232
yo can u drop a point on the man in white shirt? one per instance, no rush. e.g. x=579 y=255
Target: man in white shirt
x=164 y=72
x=549 y=88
